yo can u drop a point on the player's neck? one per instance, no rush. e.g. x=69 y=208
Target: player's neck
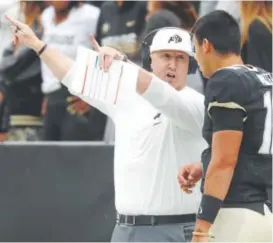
x=227 y=61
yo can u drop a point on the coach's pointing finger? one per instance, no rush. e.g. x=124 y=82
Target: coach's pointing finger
x=23 y=34
x=15 y=22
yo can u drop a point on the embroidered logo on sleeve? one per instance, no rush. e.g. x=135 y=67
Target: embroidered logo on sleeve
x=157 y=119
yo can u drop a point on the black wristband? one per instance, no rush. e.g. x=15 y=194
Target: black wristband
x=42 y=50
x=209 y=208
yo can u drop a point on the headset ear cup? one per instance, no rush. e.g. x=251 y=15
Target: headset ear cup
x=150 y=61
x=192 y=66
x=146 y=59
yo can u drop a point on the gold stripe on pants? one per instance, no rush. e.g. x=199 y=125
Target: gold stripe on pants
x=242 y=225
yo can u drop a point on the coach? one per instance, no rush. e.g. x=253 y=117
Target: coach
x=158 y=133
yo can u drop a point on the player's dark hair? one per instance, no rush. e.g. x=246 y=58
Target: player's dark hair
x=221 y=30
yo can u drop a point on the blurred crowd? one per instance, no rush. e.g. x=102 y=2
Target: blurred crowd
x=34 y=106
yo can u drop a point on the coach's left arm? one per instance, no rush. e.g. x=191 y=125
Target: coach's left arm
x=185 y=109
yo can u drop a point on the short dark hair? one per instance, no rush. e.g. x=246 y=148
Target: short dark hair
x=221 y=29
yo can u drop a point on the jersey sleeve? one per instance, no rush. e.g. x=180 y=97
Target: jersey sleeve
x=225 y=100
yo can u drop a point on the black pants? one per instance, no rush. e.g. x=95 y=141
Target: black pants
x=60 y=125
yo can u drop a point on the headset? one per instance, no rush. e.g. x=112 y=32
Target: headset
x=145 y=52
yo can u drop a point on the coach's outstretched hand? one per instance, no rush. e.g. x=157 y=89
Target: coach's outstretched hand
x=23 y=34
x=106 y=54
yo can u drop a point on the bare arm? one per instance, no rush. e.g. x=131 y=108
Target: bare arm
x=225 y=150
x=58 y=63
x=226 y=143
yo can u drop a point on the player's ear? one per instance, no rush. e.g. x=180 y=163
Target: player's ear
x=206 y=46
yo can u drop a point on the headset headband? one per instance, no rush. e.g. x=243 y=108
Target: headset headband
x=162 y=28
x=145 y=51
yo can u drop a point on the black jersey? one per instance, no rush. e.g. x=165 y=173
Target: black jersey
x=240 y=98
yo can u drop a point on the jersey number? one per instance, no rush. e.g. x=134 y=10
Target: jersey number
x=266 y=147
x=266 y=80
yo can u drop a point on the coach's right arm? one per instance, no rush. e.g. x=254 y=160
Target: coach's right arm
x=60 y=65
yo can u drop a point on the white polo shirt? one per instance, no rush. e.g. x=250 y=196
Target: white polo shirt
x=150 y=148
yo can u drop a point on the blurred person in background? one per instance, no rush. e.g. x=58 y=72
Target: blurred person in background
x=20 y=81
x=11 y=8
x=120 y=26
x=95 y=3
x=256 y=28
x=159 y=14
x=232 y=7
x=196 y=5
x=4 y=117
x=171 y=14
x=68 y=24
